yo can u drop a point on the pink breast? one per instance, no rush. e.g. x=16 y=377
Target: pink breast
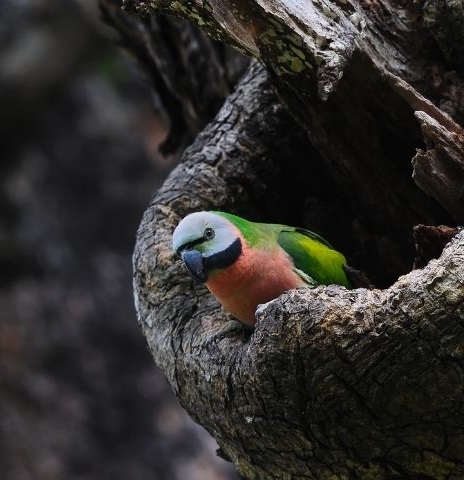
x=258 y=276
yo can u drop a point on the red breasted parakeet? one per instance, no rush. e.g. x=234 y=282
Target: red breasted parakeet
x=245 y=263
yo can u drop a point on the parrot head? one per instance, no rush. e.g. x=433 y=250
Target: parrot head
x=206 y=242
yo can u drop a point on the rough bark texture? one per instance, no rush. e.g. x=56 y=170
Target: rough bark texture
x=332 y=383
x=439 y=170
x=430 y=242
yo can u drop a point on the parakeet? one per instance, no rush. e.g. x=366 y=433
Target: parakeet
x=245 y=263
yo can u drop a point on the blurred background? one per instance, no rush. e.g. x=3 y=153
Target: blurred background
x=80 y=397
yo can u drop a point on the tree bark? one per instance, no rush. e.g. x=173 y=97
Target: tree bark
x=331 y=383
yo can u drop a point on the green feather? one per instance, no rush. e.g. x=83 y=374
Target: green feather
x=255 y=233
x=312 y=256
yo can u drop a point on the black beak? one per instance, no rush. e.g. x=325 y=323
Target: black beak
x=194 y=263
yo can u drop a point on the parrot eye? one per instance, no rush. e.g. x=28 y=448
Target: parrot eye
x=209 y=233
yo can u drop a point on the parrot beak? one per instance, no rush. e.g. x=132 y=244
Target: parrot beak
x=194 y=263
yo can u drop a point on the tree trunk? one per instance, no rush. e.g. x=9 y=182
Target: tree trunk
x=331 y=383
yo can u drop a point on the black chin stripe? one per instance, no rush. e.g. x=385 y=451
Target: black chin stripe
x=225 y=258
x=189 y=245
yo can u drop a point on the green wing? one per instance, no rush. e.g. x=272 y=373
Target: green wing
x=313 y=257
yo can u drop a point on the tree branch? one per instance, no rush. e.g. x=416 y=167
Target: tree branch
x=358 y=384
x=332 y=383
